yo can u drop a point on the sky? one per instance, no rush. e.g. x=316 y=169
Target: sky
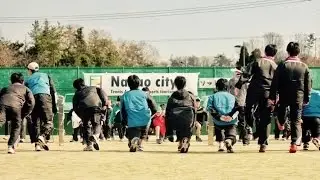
x=286 y=20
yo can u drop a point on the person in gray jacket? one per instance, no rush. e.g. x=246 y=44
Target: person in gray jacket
x=241 y=100
x=89 y=102
x=16 y=102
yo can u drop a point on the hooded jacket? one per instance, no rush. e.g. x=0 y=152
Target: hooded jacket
x=181 y=109
x=17 y=96
x=88 y=97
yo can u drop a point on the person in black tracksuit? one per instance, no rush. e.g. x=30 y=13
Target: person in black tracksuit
x=181 y=114
x=293 y=83
x=16 y=102
x=258 y=92
x=88 y=103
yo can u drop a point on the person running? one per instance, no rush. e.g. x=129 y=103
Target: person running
x=45 y=107
x=241 y=99
x=135 y=111
x=115 y=120
x=159 y=124
x=223 y=107
x=202 y=117
x=88 y=103
x=293 y=83
x=311 y=121
x=181 y=114
x=16 y=102
x=261 y=75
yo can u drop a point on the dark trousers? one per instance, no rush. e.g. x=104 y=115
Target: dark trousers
x=77 y=131
x=242 y=126
x=295 y=118
x=226 y=132
x=120 y=128
x=310 y=128
x=91 y=124
x=139 y=132
x=265 y=121
x=41 y=118
x=23 y=130
x=14 y=115
x=7 y=128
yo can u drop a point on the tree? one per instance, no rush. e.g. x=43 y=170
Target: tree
x=102 y=50
x=221 y=60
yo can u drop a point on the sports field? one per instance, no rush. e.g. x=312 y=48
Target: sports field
x=113 y=161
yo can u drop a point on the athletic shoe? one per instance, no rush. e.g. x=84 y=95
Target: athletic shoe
x=22 y=140
x=95 y=142
x=198 y=139
x=170 y=138
x=42 y=143
x=6 y=138
x=37 y=147
x=228 y=145
x=11 y=150
x=316 y=142
x=176 y=140
x=293 y=148
x=88 y=148
x=184 y=145
x=277 y=139
x=134 y=144
x=305 y=146
x=263 y=148
x=221 y=147
x=140 y=148
x=158 y=141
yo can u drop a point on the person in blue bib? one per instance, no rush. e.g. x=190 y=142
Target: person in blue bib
x=43 y=89
x=223 y=107
x=311 y=121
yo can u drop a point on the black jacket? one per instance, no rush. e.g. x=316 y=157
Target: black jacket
x=260 y=75
x=292 y=81
x=18 y=96
x=180 y=110
x=88 y=97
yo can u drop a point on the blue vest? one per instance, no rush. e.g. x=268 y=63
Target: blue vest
x=38 y=83
x=224 y=103
x=136 y=107
x=313 y=108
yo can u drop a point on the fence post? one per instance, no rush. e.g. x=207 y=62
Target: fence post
x=210 y=130
x=61 y=119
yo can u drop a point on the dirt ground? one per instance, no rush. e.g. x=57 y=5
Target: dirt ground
x=113 y=161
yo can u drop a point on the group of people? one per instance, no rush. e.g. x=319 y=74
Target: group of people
x=256 y=93
x=34 y=100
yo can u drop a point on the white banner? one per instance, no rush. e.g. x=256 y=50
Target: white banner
x=115 y=84
x=209 y=83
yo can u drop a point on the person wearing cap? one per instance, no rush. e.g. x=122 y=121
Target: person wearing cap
x=44 y=91
x=16 y=102
x=201 y=118
x=240 y=95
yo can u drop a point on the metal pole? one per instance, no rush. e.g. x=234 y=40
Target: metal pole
x=244 y=55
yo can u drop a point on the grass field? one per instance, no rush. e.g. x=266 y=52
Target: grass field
x=113 y=161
